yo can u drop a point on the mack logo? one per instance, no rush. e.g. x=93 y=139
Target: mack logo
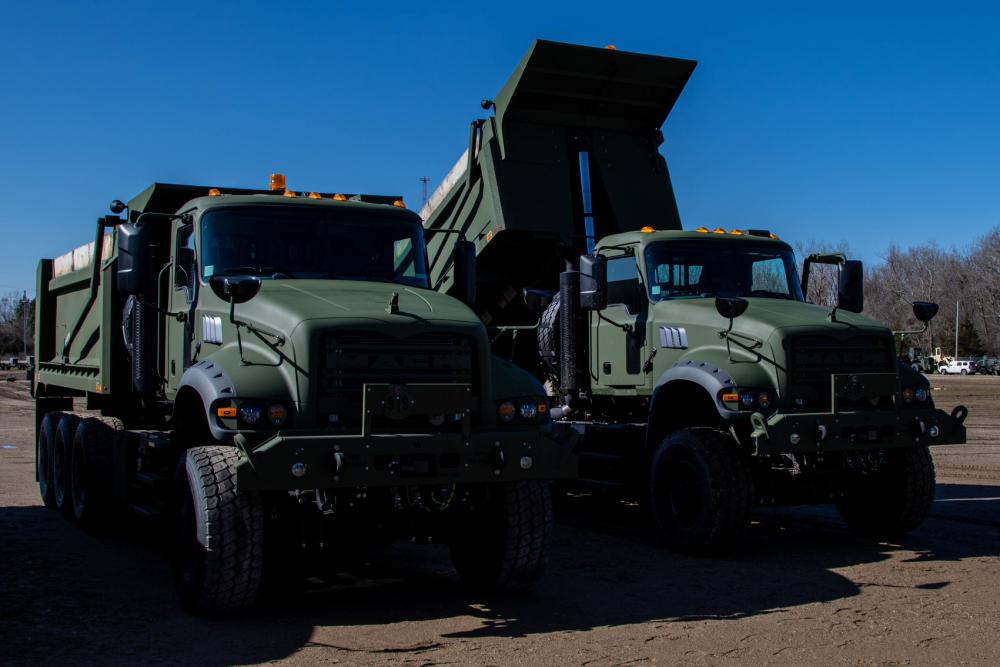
x=841 y=358
x=854 y=390
x=398 y=402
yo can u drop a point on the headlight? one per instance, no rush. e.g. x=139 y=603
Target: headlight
x=746 y=398
x=527 y=410
x=250 y=414
x=908 y=395
x=764 y=399
x=506 y=412
x=277 y=414
x=922 y=394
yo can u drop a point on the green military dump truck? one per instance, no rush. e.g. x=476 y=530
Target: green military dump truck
x=271 y=375
x=700 y=379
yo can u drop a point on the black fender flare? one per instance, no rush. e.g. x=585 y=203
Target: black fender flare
x=706 y=375
x=211 y=383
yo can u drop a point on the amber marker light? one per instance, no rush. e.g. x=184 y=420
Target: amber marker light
x=214 y=192
x=735 y=232
x=226 y=413
x=647 y=229
x=399 y=203
x=611 y=47
x=339 y=197
x=290 y=194
x=730 y=398
x=315 y=195
x=277 y=182
x=719 y=230
x=774 y=236
x=703 y=230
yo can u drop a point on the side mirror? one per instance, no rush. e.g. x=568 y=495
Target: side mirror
x=133 y=253
x=924 y=311
x=851 y=287
x=464 y=267
x=593 y=282
x=731 y=307
x=235 y=289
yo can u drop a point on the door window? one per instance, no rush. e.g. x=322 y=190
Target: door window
x=623 y=284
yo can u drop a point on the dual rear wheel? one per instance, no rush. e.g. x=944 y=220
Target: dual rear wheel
x=73 y=466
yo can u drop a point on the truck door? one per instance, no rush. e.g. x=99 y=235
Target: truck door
x=618 y=332
x=181 y=299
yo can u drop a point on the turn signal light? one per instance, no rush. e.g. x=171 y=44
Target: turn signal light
x=277 y=182
x=214 y=192
x=730 y=398
x=227 y=413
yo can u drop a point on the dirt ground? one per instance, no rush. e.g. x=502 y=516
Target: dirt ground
x=802 y=591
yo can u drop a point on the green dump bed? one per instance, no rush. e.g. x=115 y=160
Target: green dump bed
x=573 y=140
x=73 y=341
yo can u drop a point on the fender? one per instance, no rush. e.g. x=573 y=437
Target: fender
x=211 y=383
x=708 y=376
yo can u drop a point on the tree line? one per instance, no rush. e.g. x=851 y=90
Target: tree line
x=17 y=322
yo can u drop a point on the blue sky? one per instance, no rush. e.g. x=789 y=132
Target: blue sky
x=836 y=121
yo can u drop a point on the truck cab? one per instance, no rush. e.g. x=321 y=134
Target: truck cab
x=277 y=362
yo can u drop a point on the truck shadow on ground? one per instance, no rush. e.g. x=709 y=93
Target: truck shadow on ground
x=108 y=598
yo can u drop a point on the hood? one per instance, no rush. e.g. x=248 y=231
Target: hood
x=764 y=316
x=285 y=304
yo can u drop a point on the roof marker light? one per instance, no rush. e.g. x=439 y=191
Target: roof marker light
x=735 y=232
x=718 y=230
x=290 y=194
x=214 y=192
x=611 y=47
x=277 y=182
x=703 y=230
x=399 y=203
x=647 y=229
x=339 y=197
x=774 y=236
x=315 y=195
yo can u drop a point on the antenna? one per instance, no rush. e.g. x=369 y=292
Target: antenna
x=424 y=181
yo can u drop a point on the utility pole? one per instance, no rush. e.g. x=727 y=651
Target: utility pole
x=24 y=322
x=956 y=328
x=423 y=181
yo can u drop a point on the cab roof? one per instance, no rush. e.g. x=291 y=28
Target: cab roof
x=171 y=197
x=701 y=234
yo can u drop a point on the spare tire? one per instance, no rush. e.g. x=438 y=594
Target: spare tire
x=548 y=339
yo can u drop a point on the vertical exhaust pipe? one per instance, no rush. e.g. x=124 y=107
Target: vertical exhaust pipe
x=569 y=319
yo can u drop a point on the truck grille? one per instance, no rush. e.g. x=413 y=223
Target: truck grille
x=815 y=358
x=349 y=360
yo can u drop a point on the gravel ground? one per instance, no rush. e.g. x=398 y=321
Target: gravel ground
x=803 y=590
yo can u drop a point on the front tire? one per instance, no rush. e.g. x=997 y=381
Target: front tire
x=218 y=544
x=700 y=490
x=894 y=500
x=503 y=546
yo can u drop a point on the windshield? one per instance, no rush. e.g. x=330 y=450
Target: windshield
x=679 y=270
x=315 y=242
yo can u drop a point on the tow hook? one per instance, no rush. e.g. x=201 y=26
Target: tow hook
x=959 y=414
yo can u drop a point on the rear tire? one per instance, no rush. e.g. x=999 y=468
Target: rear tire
x=218 y=543
x=893 y=501
x=503 y=546
x=43 y=458
x=91 y=472
x=700 y=490
x=62 y=455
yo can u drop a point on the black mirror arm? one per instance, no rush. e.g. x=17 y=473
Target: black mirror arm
x=627 y=328
x=912 y=332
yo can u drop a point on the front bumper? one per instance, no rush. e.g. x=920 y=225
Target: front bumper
x=853 y=430
x=328 y=461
